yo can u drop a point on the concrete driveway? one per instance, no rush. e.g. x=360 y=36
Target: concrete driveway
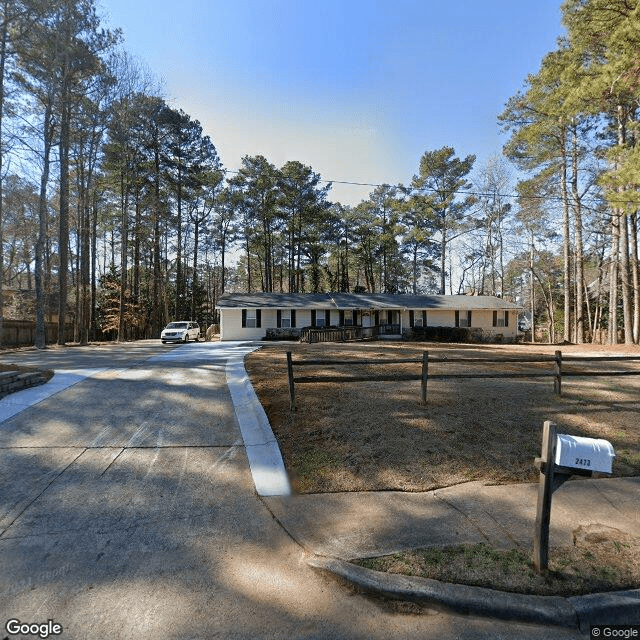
x=127 y=510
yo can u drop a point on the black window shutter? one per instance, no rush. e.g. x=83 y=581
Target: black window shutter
x=389 y=316
x=411 y=318
x=279 y=318
x=258 y=317
x=457 y=318
x=341 y=321
x=313 y=317
x=327 y=317
x=293 y=317
x=424 y=317
x=469 y=318
x=495 y=318
x=377 y=317
x=355 y=317
x=506 y=318
x=244 y=318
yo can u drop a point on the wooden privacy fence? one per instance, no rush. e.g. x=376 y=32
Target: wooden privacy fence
x=17 y=333
x=557 y=372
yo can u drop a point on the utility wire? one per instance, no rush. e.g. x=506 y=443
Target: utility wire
x=479 y=194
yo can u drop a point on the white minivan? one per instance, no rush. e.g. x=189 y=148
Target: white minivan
x=181 y=331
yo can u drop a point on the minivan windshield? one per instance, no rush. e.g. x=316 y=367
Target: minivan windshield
x=177 y=325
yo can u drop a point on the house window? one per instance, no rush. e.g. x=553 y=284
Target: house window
x=286 y=318
x=417 y=319
x=463 y=318
x=319 y=318
x=251 y=318
x=501 y=318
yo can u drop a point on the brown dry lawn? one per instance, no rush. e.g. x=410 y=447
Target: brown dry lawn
x=378 y=435
x=599 y=561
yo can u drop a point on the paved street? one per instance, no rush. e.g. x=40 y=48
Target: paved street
x=127 y=510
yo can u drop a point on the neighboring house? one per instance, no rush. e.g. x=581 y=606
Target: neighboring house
x=248 y=316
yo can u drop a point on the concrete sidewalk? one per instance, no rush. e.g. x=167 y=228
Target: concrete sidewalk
x=336 y=528
x=367 y=524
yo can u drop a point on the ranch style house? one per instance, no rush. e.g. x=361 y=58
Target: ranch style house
x=254 y=316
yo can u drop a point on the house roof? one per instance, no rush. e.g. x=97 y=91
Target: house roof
x=347 y=301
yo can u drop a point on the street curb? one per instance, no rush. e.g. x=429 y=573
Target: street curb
x=265 y=459
x=577 y=612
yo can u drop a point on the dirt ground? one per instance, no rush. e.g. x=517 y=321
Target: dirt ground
x=378 y=436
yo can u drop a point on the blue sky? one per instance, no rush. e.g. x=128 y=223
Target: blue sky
x=357 y=89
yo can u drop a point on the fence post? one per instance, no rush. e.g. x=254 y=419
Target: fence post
x=545 y=489
x=292 y=390
x=425 y=375
x=557 y=381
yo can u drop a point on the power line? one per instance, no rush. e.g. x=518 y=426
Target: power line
x=479 y=194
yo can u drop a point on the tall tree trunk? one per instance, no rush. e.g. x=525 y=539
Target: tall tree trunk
x=443 y=262
x=566 y=246
x=533 y=289
x=63 y=239
x=577 y=214
x=4 y=36
x=248 y=254
x=194 y=278
x=40 y=277
x=137 y=258
x=85 y=274
x=635 y=276
x=124 y=252
x=94 y=260
x=625 y=280
x=613 y=277
x=616 y=220
x=223 y=251
x=180 y=278
x=157 y=312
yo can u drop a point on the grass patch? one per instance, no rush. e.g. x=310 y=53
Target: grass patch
x=609 y=564
x=311 y=464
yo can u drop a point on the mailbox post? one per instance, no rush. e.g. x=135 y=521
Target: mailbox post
x=563 y=456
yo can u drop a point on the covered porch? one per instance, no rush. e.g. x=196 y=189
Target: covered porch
x=358 y=324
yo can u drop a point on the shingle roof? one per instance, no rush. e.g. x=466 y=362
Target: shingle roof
x=348 y=301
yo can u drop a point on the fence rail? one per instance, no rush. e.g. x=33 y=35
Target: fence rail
x=557 y=373
x=337 y=334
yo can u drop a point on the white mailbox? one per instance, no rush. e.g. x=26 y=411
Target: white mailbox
x=590 y=454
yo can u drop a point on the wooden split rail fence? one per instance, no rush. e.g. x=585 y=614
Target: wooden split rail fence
x=557 y=373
